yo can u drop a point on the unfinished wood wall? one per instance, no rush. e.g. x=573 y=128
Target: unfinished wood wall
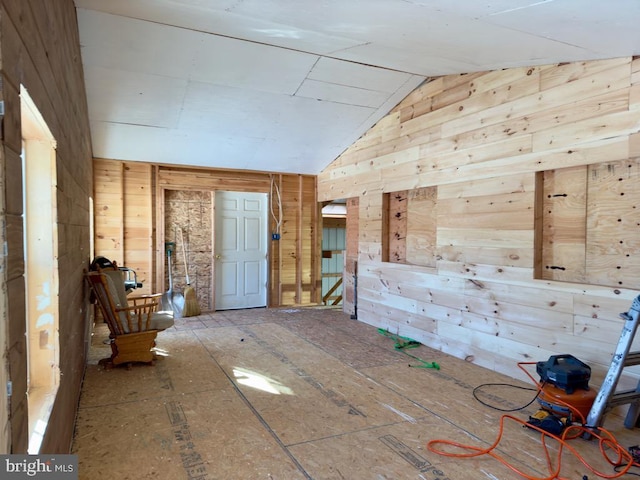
x=480 y=140
x=123 y=216
x=40 y=50
x=143 y=190
x=599 y=247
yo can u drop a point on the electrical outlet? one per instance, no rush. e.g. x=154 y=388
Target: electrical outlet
x=275 y=236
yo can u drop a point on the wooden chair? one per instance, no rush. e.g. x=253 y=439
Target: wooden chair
x=134 y=321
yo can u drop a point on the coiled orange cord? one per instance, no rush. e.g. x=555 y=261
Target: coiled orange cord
x=606 y=442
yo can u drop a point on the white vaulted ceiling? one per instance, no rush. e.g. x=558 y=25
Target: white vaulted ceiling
x=287 y=85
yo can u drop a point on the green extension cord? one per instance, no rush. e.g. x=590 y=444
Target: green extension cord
x=404 y=343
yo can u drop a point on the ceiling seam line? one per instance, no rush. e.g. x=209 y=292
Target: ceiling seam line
x=306 y=77
x=256 y=42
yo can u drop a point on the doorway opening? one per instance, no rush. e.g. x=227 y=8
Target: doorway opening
x=340 y=227
x=334 y=243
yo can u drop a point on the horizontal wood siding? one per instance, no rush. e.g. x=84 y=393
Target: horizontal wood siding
x=108 y=206
x=138 y=220
x=40 y=50
x=481 y=139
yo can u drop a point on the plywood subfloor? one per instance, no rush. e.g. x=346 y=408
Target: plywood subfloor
x=301 y=393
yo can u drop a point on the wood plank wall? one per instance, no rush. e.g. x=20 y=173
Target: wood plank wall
x=40 y=50
x=139 y=188
x=482 y=140
x=123 y=216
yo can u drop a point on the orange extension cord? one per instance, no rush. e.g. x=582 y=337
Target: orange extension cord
x=606 y=441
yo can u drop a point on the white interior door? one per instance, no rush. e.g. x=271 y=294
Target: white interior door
x=240 y=250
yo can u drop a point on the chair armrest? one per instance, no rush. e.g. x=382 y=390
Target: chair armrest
x=145 y=295
x=144 y=300
x=139 y=314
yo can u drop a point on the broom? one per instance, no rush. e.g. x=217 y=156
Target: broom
x=191 y=306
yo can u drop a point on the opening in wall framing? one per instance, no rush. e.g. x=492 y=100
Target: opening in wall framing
x=410 y=226
x=41 y=268
x=587 y=224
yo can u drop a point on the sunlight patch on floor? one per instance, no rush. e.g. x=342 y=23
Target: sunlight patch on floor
x=260 y=382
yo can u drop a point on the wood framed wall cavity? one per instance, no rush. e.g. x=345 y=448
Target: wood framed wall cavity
x=299 y=245
x=409 y=226
x=589 y=223
x=275 y=250
x=397 y=226
x=294 y=259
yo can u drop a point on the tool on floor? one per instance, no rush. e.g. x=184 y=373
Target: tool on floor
x=634 y=451
x=563 y=393
x=403 y=343
x=565 y=389
x=191 y=306
x=567 y=374
x=423 y=363
x=549 y=422
x=171 y=300
x=607 y=397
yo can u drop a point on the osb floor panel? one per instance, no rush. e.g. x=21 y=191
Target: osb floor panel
x=302 y=393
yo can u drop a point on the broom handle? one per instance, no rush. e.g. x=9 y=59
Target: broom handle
x=184 y=257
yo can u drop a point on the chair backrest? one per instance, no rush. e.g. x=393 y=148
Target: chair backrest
x=108 y=287
x=106 y=302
